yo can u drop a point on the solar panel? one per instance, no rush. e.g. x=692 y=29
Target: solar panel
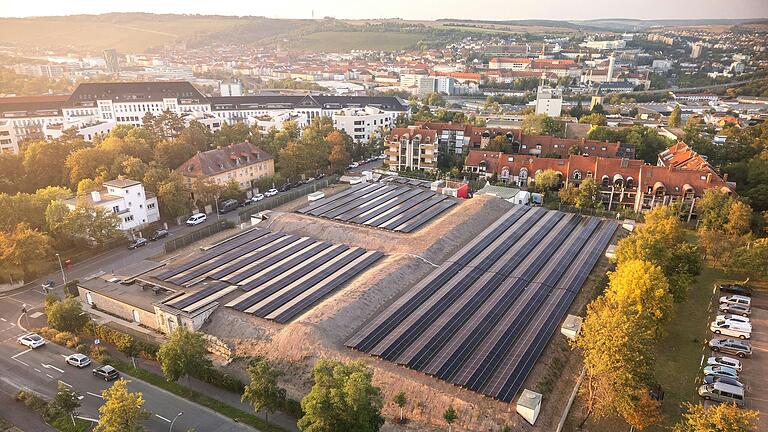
x=323 y=201
x=426 y=216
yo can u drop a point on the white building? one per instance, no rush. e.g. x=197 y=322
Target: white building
x=127 y=199
x=605 y=44
x=361 y=123
x=88 y=127
x=8 y=141
x=265 y=122
x=234 y=88
x=549 y=101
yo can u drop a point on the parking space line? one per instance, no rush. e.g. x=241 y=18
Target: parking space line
x=3 y=320
x=63 y=383
x=158 y=415
x=49 y=376
x=18 y=354
x=94 y=395
x=37 y=370
x=25 y=364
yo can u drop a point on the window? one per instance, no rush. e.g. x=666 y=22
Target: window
x=116 y=208
x=150 y=205
x=577 y=175
x=128 y=218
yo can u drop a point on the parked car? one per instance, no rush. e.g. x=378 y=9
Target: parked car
x=106 y=372
x=353 y=165
x=285 y=187
x=31 y=340
x=722 y=392
x=271 y=192
x=731 y=346
x=723 y=371
x=739 y=289
x=736 y=299
x=78 y=360
x=746 y=326
x=725 y=361
x=730 y=329
x=711 y=379
x=736 y=309
x=228 y=205
x=734 y=318
x=158 y=234
x=196 y=219
x=137 y=243
x=257 y=198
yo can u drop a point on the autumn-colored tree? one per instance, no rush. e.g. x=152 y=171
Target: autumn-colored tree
x=739 y=219
x=595 y=119
x=339 y=158
x=122 y=411
x=184 y=353
x=641 y=288
x=89 y=163
x=717 y=418
x=547 y=180
x=24 y=248
x=173 y=197
x=675 y=118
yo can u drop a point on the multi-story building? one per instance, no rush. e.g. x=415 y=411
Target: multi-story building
x=127 y=199
x=362 y=123
x=549 y=101
x=244 y=162
x=29 y=115
x=8 y=141
x=111 y=61
x=411 y=148
x=275 y=120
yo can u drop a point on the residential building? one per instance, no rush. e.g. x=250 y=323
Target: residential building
x=111 y=61
x=8 y=141
x=127 y=198
x=362 y=123
x=29 y=115
x=231 y=88
x=695 y=97
x=696 y=50
x=265 y=122
x=549 y=101
x=244 y=162
x=605 y=44
x=411 y=148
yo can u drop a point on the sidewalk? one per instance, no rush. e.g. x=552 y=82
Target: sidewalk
x=233 y=399
x=20 y=415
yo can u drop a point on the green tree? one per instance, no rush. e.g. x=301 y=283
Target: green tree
x=400 y=400
x=171 y=154
x=450 y=416
x=342 y=398
x=547 y=180
x=94 y=223
x=294 y=160
x=42 y=163
x=231 y=190
x=122 y=411
x=594 y=119
x=751 y=259
x=262 y=391
x=675 y=118
x=90 y=162
x=64 y=403
x=66 y=315
x=435 y=99
x=206 y=192
x=24 y=248
x=541 y=124
x=184 y=353
x=717 y=418
x=173 y=197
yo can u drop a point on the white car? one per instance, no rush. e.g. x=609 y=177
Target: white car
x=734 y=318
x=257 y=198
x=78 y=360
x=730 y=329
x=353 y=165
x=724 y=361
x=32 y=340
x=271 y=192
x=734 y=324
x=196 y=219
x=736 y=299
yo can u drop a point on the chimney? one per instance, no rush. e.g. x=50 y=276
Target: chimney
x=725 y=177
x=709 y=178
x=95 y=196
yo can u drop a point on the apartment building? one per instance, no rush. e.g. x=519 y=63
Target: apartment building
x=265 y=122
x=8 y=141
x=29 y=115
x=549 y=101
x=362 y=123
x=411 y=148
x=127 y=199
x=244 y=162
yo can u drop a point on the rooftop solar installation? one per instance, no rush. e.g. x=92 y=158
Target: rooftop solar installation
x=276 y=276
x=482 y=318
x=396 y=205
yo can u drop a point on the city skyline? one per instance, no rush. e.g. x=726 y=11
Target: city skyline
x=483 y=9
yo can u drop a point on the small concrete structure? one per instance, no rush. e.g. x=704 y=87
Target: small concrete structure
x=529 y=405
x=628 y=225
x=610 y=253
x=571 y=326
x=314 y=196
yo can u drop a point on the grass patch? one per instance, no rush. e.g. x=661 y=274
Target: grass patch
x=346 y=41
x=64 y=424
x=209 y=402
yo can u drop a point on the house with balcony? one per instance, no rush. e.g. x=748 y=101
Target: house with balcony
x=411 y=148
x=127 y=198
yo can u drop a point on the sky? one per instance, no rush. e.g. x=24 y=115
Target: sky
x=406 y=9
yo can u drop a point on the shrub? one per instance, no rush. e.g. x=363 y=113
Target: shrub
x=33 y=401
x=100 y=354
x=82 y=349
x=66 y=338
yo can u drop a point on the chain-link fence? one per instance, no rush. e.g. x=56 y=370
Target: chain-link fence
x=198 y=234
x=285 y=197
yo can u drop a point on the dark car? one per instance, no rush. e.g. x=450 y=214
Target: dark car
x=736 y=347
x=158 y=234
x=137 y=243
x=285 y=187
x=106 y=372
x=228 y=205
x=739 y=289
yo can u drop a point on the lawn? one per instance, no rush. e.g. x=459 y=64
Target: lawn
x=347 y=41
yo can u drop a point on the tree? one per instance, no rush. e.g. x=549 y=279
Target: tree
x=751 y=259
x=541 y=124
x=64 y=403
x=713 y=209
x=262 y=391
x=400 y=400
x=642 y=288
x=717 y=418
x=587 y=196
x=206 y=192
x=294 y=159
x=42 y=163
x=675 y=118
x=196 y=136
x=24 y=248
x=66 y=315
x=173 y=197
x=171 y=154
x=739 y=219
x=450 y=416
x=231 y=190
x=547 y=180
x=90 y=162
x=339 y=157
x=435 y=99
x=233 y=134
x=122 y=410
x=342 y=398
x=134 y=168
x=94 y=223
x=595 y=119
x=184 y=353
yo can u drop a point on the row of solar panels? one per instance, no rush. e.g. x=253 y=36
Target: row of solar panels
x=278 y=276
x=394 y=206
x=482 y=318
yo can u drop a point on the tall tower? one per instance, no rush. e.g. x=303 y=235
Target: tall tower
x=111 y=61
x=611 y=62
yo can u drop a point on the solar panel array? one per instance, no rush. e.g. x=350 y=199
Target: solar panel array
x=483 y=317
x=390 y=205
x=277 y=275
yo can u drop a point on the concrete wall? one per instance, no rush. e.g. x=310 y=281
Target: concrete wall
x=117 y=308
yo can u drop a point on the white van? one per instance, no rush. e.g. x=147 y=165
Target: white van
x=196 y=219
x=731 y=328
x=722 y=393
x=736 y=299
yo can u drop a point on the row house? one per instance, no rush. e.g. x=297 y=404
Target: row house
x=624 y=183
x=244 y=163
x=411 y=148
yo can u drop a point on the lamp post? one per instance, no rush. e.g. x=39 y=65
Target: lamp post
x=63 y=276
x=174 y=420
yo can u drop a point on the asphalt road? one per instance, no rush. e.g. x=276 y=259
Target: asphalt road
x=42 y=369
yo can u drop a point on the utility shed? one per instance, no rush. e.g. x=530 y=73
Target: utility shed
x=571 y=326
x=529 y=405
x=610 y=253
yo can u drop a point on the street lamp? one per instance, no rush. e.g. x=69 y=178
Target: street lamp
x=174 y=420
x=93 y=321
x=63 y=276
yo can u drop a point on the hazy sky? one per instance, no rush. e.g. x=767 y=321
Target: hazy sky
x=408 y=9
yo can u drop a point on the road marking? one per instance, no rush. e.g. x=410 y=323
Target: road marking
x=36 y=315
x=158 y=415
x=18 y=354
x=4 y=320
x=88 y=418
x=81 y=397
x=37 y=370
x=25 y=364
x=94 y=395
x=63 y=383
x=52 y=367
x=50 y=376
